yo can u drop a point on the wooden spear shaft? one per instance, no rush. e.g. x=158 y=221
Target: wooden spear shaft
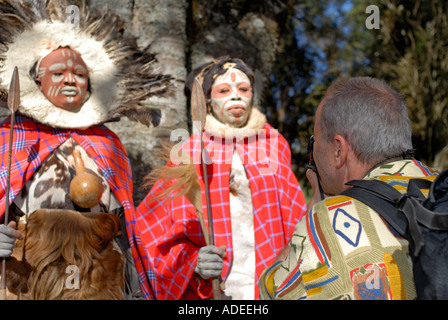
x=13 y=105
x=199 y=114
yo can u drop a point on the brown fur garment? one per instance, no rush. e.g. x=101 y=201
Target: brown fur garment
x=54 y=240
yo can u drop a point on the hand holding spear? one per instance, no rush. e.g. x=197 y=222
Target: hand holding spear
x=13 y=105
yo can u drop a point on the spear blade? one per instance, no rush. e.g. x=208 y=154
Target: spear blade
x=13 y=105
x=198 y=106
x=14 y=92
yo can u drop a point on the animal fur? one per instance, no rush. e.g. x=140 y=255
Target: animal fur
x=56 y=239
x=256 y=122
x=178 y=181
x=183 y=179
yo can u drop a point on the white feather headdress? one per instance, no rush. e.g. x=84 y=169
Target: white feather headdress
x=121 y=76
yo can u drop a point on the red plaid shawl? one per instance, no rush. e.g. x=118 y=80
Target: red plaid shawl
x=170 y=229
x=34 y=142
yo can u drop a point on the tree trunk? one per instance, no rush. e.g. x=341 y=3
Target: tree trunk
x=160 y=28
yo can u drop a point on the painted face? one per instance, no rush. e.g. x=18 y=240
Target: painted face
x=231 y=98
x=63 y=78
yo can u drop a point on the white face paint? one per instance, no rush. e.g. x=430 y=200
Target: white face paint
x=231 y=97
x=63 y=78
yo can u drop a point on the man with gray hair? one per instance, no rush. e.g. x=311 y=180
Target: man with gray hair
x=342 y=249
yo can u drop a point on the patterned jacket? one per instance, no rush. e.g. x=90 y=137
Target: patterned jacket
x=343 y=249
x=170 y=228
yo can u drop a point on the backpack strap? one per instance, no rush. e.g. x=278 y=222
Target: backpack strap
x=382 y=198
x=415 y=185
x=403 y=212
x=390 y=204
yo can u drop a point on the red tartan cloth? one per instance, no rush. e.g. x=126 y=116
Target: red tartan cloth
x=34 y=142
x=170 y=229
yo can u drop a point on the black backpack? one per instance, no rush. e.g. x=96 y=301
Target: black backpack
x=422 y=221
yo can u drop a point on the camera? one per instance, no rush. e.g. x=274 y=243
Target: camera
x=312 y=165
x=309 y=151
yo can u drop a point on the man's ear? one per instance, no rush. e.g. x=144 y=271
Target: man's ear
x=341 y=149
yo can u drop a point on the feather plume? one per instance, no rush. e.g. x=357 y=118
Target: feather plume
x=181 y=180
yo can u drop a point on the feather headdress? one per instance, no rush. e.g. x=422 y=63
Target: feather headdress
x=121 y=76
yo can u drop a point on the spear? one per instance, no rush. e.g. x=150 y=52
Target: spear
x=13 y=105
x=199 y=114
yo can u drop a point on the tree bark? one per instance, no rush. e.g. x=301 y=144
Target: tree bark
x=159 y=27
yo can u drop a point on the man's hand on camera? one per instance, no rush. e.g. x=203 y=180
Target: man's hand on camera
x=311 y=175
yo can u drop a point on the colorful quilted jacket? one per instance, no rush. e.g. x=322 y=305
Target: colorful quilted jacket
x=343 y=249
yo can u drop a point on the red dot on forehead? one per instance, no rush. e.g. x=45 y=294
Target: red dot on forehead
x=233 y=76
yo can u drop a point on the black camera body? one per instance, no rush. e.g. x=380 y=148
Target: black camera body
x=312 y=165
x=309 y=151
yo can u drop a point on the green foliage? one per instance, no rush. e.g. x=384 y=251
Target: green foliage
x=411 y=53
x=318 y=47
x=323 y=40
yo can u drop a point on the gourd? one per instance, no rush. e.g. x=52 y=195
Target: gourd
x=85 y=188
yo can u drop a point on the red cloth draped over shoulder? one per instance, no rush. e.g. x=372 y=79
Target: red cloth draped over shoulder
x=171 y=232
